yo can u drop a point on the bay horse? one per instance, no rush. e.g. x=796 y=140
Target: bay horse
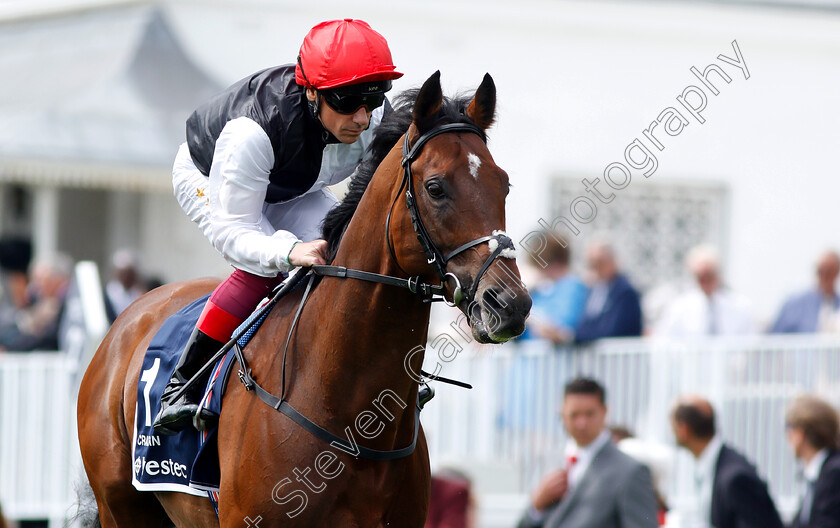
x=422 y=205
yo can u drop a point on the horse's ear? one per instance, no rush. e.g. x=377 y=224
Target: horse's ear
x=482 y=109
x=428 y=103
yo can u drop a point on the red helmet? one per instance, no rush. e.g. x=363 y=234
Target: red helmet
x=343 y=52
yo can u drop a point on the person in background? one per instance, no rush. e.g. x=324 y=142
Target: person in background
x=708 y=308
x=599 y=486
x=620 y=432
x=452 y=504
x=730 y=492
x=152 y=282
x=656 y=457
x=813 y=310
x=126 y=285
x=558 y=299
x=37 y=326
x=812 y=429
x=15 y=258
x=612 y=307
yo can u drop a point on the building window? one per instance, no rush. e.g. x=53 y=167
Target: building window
x=652 y=225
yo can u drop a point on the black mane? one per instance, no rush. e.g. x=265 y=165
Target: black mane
x=394 y=124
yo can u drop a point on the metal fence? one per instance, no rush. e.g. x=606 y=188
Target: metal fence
x=507 y=433
x=40 y=463
x=39 y=453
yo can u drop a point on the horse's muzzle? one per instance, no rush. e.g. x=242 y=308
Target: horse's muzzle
x=500 y=314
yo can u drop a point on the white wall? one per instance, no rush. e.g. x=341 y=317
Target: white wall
x=578 y=81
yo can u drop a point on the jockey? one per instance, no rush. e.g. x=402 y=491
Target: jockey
x=253 y=175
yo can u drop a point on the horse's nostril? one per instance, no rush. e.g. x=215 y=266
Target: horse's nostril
x=504 y=312
x=499 y=300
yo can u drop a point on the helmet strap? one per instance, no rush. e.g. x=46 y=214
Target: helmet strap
x=315 y=105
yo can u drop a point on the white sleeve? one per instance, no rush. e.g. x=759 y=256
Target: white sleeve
x=242 y=161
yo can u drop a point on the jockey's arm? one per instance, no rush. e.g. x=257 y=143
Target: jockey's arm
x=239 y=179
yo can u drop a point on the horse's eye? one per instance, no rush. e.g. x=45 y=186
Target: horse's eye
x=435 y=189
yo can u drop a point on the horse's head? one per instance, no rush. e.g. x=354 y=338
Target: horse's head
x=456 y=194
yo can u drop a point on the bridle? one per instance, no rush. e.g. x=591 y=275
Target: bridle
x=427 y=292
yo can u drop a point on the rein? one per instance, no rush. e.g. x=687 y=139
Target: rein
x=426 y=292
x=280 y=404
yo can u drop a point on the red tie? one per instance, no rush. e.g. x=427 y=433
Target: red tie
x=571 y=460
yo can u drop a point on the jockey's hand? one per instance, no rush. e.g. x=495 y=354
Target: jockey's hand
x=308 y=254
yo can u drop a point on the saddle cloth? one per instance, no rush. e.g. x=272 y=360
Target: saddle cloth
x=187 y=462
x=160 y=462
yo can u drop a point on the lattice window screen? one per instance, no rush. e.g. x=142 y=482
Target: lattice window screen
x=651 y=224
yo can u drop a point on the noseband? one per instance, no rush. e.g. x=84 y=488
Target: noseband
x=427 y=292
x=433 y=255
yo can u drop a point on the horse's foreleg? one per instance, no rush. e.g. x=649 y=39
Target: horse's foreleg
x=411 y=501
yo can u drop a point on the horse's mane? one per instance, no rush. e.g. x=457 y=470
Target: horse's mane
x=393 y=125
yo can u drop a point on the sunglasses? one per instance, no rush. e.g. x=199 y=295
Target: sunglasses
x=349 y=104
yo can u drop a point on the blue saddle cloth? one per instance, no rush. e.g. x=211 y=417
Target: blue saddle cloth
x=187 y=462
x=206 y=473
x=164 y=463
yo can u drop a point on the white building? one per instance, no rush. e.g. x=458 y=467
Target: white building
x=91 y=114
x=578 y=82
x=93 y=98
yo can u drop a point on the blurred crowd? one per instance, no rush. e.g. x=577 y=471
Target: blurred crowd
x=609 y=479
x=570 y=306
x=34 y=293
x=580 y=306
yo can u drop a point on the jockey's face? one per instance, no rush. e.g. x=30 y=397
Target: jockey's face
x=345 y=127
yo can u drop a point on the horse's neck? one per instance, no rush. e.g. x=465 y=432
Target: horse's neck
x=378 y=318
x=362 y=333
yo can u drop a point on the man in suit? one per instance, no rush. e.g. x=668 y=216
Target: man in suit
x=599 y=487
x=812 y=428
x=708 y=308
x=731 y=493
x=612 y=307
x=813 y=310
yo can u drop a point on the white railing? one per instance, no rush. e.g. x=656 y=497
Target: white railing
x=39 y=460
x=507 y=433
x=40 y=464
